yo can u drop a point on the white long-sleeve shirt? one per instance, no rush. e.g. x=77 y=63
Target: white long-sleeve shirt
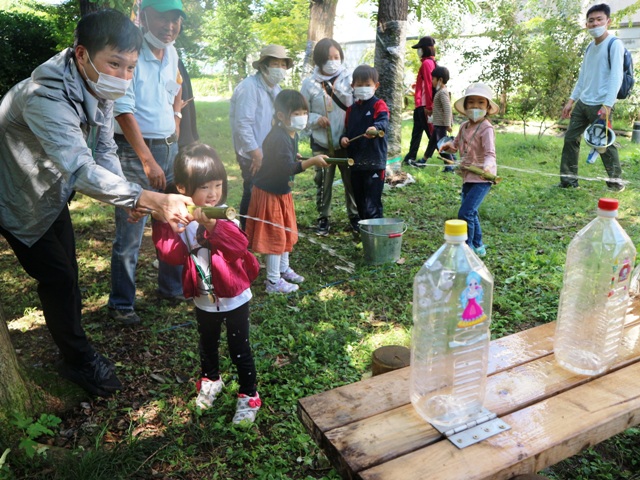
x=597 y=83
x=251 y=113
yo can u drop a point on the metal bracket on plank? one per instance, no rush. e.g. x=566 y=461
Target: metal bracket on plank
x=486 y=425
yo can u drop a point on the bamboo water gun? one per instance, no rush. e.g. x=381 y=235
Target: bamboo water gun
x=377 y=133
x=473 y=169
x=215 y=212
x=335 y=161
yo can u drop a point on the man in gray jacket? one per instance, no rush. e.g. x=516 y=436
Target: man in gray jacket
x=56 y=137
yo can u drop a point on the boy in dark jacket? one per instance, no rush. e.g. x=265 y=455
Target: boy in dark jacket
x=368 y=115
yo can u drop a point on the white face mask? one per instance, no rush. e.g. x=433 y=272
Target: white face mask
x=332 y=66
x=155 y=42
x=475 y=114
x=363 y=93
x=275 y=75
x=298 y=123
x=420 y=52
x=598 y=31
x=107 y=87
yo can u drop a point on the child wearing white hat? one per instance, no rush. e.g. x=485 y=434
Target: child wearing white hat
x=476 y=143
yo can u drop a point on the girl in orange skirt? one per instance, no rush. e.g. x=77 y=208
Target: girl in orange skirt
x=271 y=226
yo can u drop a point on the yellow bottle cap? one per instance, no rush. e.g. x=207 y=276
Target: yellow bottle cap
x=455 y=228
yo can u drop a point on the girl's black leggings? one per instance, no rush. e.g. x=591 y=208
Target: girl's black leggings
x=237 y=323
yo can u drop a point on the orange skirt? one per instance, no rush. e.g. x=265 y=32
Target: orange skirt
x=278 y=209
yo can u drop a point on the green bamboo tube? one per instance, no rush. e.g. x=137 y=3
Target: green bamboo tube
x=215 y=212
x=340 y=161
x=377 y=133
x=478 y=171
x=336 y=161
x=481 y=173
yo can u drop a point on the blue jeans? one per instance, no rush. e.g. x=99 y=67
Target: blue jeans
x=126 y=245
x=472 y=196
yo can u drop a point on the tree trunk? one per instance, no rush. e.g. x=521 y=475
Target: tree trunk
x=88 y=6
x=389 y=61
x=322 y=16
x=14 y=394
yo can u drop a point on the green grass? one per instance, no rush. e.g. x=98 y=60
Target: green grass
x=313 y=341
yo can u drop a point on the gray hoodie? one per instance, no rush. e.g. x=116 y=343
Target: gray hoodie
x=55 y=137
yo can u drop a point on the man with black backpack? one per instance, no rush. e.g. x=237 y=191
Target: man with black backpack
x=593 y=97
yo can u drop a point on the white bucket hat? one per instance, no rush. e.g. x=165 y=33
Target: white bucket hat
x=273 y=51
x=481 y=90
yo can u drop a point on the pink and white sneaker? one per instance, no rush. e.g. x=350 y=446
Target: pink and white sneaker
x=247 y=408
x=291 y=276
x=208 y=391
x=281 y=286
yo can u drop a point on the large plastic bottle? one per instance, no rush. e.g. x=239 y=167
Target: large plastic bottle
x=595 y=294
x=452 y=298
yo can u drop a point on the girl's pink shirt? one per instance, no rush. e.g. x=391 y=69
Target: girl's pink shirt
x=478 y=150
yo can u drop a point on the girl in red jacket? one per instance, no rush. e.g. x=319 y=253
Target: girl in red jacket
x=423 y=95
x=217 y=273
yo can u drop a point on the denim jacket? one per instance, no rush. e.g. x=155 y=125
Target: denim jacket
x=55 y=137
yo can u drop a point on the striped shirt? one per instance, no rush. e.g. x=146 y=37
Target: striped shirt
x=442 y=109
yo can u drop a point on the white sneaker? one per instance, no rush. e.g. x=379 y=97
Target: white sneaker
x=208 y=391
x=281 y=286
x=291 y=276
x=247 y=408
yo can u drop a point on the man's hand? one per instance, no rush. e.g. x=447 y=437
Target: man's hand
x=566 y=111
x=136 y=214
x=154 y=173
x=256 y=160
x=183 y=103
x=605 y=113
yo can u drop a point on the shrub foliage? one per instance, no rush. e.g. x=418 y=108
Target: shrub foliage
x=27 y=41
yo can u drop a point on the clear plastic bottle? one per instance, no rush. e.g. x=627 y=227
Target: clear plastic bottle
x=452 y=298
x=595 y=294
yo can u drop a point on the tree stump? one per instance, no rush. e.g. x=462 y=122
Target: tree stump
x=388 y=358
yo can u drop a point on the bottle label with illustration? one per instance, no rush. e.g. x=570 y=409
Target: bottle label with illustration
x=620 y=274
x=471 y=300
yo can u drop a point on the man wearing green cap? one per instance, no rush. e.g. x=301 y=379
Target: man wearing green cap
x=146 y=132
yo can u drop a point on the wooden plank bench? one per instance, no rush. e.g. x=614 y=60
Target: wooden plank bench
x=369 y=429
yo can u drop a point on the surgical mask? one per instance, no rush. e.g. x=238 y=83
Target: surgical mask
x=419 y=53
x=107 y=87
x=363 y=93
x=332 y=66
x=155 y=42
x=297 y=123
x=597 y=31
x=275 y=75
x=475 y=114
